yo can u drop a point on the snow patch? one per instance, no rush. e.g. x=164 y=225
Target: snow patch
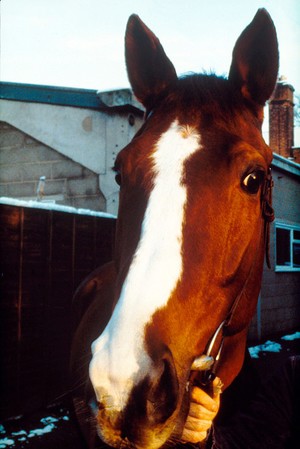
x=291 y=337
x=49 y=420
x=49 y=423
x=4 y=442
x=39 y=432
x=53 y=206
x=20 y=433
x=268 y=346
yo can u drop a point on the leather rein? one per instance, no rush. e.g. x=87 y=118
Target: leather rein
x=203 y=370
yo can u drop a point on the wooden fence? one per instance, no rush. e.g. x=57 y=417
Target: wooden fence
x=45 y=254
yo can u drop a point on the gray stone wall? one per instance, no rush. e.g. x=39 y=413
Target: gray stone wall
x=23 y=160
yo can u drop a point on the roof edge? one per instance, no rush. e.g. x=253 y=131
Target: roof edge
x=67 y=96
x=285 y=164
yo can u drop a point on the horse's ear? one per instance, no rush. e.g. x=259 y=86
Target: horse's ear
x=255 y=58
x=149 y=69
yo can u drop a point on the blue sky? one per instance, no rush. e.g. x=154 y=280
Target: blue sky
x=79 y=43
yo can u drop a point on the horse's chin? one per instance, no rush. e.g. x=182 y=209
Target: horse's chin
x=148 y=441
x=109 y=430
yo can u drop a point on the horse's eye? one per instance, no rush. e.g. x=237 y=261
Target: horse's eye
x=252 y=182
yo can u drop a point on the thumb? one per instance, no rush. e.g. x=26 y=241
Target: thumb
x=217 y=386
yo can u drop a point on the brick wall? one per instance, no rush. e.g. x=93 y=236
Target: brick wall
x=281 y=119
x=296 y=155
x=23 y=160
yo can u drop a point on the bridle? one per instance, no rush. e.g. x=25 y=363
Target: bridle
x=267 y=213
x=204 y=368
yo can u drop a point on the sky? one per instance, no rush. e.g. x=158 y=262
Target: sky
x=80 y=43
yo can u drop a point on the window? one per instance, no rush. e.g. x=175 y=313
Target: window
x=287 y=247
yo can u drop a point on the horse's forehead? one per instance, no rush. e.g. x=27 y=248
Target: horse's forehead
x=220 y=130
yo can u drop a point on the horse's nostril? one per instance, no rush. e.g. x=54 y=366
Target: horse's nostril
x=162 y=397
x=100 y=406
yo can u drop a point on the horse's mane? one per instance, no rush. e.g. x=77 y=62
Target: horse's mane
x=216 y=94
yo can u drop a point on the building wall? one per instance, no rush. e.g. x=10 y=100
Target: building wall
x=119 y=131
x=24 y=159
x=278 y=309
x=84 y=130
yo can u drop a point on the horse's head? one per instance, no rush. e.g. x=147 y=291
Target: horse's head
x=190 y=239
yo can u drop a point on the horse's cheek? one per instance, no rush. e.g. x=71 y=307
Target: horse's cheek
x=233 y=357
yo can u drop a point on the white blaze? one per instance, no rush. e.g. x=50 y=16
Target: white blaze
x=119 y=357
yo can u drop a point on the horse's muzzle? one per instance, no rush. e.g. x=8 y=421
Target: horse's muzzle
x=148 y=418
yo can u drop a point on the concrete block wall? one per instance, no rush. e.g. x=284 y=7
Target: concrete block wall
x=280 y=306
x=23 y=160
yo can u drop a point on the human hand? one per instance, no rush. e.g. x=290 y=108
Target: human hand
x=203 y=409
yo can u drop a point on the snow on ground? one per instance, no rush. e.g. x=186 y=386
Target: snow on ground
x=291 y=337
x=48 y=424
x=270 y=346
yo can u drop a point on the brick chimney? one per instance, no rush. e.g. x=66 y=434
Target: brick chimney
x=281 y=119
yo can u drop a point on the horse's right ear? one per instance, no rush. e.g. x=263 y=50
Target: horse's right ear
x=149 y=69
x=255 y=58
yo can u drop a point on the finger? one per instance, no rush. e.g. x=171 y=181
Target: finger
x=190 y=436
x=197 y=425
x=200 y=412
x=201 y=397
x=217 y=386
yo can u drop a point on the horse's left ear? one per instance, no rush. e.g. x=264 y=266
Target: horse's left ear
x=149 y=69
x=255 y=59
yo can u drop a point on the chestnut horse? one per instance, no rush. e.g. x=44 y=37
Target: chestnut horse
x=190 y=238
